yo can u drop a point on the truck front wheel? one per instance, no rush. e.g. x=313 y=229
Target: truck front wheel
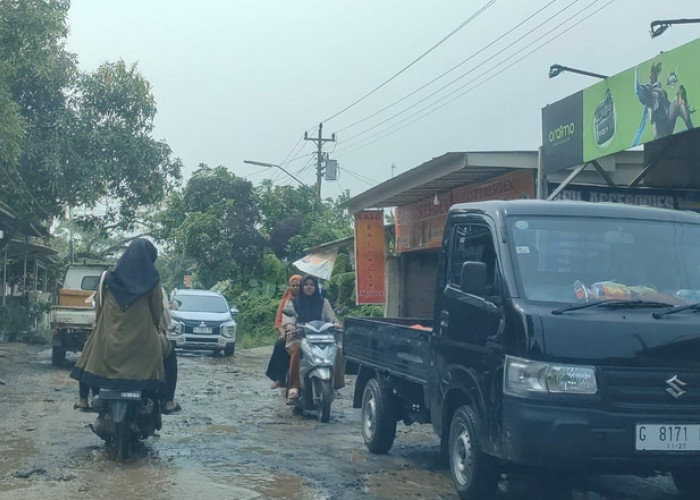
x=378 y=418
x=58 y=355
x=474 y=474
x=687 y=482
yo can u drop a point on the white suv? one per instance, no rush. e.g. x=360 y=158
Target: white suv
x=202 y=320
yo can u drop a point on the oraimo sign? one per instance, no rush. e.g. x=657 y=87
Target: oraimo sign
x=654 y=99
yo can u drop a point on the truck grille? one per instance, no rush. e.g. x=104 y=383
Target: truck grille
x=648 y=388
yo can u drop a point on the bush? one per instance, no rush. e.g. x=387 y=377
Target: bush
x=20 y=316
x=256 y=320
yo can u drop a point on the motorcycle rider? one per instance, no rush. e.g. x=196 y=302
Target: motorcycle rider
x=308 y=306
x=125 y=350
x=279 y=360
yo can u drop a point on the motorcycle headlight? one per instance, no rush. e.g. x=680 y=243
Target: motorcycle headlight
x=523 y=377
x=229 y=330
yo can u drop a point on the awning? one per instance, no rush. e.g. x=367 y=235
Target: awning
x=442 y=174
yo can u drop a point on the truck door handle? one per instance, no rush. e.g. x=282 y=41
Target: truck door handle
x=444 y=321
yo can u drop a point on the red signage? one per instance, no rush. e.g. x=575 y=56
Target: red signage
x=420 y=225
x=370 y=251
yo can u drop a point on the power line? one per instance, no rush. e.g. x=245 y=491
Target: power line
x=445 y=38
x=464 y=61
x=366 y=180
x=389 y=129
x=395 y=115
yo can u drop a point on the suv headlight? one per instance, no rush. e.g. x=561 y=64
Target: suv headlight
x=229 y=330
x=523 y=377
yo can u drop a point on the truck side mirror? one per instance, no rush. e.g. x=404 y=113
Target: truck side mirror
x=234 y=312
x=473 y=278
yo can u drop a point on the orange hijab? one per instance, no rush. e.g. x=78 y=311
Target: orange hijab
x=287 y=296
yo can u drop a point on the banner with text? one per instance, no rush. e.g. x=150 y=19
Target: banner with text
x=420 y=225
x=677 y=199
x=370 y=253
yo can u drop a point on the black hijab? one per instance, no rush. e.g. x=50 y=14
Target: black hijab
x=308 y=308
x=134 y=274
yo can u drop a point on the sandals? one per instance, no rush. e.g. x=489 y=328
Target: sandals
x=275 y=385
x=293 y=394
x=84 y=409
x=177 y=409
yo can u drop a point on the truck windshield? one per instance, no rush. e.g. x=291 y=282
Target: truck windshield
x=567 y=260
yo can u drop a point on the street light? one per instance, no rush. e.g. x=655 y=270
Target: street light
x=263 y=164
x=556 y=69
x=656 y=28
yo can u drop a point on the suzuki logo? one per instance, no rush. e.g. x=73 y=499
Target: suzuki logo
x=675 y=387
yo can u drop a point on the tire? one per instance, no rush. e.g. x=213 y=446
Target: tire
x=687 y=482
x=474 y=474
x=325 y=397
x=229 y=350
x=378 y=418
x=123 y=441
x=58 y=355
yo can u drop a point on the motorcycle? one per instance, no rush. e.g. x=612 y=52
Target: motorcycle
x=125 y=417
x=318 y=353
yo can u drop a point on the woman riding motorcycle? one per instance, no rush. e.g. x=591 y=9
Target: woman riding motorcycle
x=125 y=350
x=307 y=306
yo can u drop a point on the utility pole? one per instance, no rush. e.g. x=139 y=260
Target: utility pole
x=319 y=160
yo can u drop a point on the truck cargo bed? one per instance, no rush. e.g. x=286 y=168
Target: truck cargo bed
x=398 y=346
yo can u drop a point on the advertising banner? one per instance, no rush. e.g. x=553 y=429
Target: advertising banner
x=420 y=225
x=677 y=199
x=370 y=253
x=651 y=100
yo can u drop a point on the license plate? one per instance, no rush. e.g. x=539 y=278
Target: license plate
x=201 y=329
x=668 y=437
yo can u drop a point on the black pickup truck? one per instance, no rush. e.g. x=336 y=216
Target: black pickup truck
x=565 y=339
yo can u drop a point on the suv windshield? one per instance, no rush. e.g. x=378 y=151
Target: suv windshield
x=565 y=260
x=201 y=303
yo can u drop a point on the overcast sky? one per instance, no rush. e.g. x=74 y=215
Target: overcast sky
x=242 y=80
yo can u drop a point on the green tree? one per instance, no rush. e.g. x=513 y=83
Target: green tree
x=67 y=138
x=213 y=224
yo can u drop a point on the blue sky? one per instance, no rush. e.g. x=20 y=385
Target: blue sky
x=244 y=79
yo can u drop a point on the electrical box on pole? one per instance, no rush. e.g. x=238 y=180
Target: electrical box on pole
x=331 y=170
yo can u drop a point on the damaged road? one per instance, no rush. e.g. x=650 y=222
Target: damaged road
x=235 y=438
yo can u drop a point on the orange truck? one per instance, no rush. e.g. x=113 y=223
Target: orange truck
x=73 y=315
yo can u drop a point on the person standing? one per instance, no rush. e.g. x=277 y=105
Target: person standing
x=279 y=361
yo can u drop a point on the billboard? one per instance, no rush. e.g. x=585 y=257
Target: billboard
x=651 y=100
x=370 y=253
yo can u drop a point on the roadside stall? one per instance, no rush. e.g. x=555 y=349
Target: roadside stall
x=421 y=197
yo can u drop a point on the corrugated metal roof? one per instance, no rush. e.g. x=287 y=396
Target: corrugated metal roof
x=442 y=174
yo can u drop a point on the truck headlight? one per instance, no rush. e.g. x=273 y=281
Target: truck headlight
x=523 y=377
x=229 y=330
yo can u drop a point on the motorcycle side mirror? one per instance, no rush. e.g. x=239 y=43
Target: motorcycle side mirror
x=288 y=310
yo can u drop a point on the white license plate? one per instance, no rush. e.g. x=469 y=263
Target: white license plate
x=668 y=437
x=201 y=329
